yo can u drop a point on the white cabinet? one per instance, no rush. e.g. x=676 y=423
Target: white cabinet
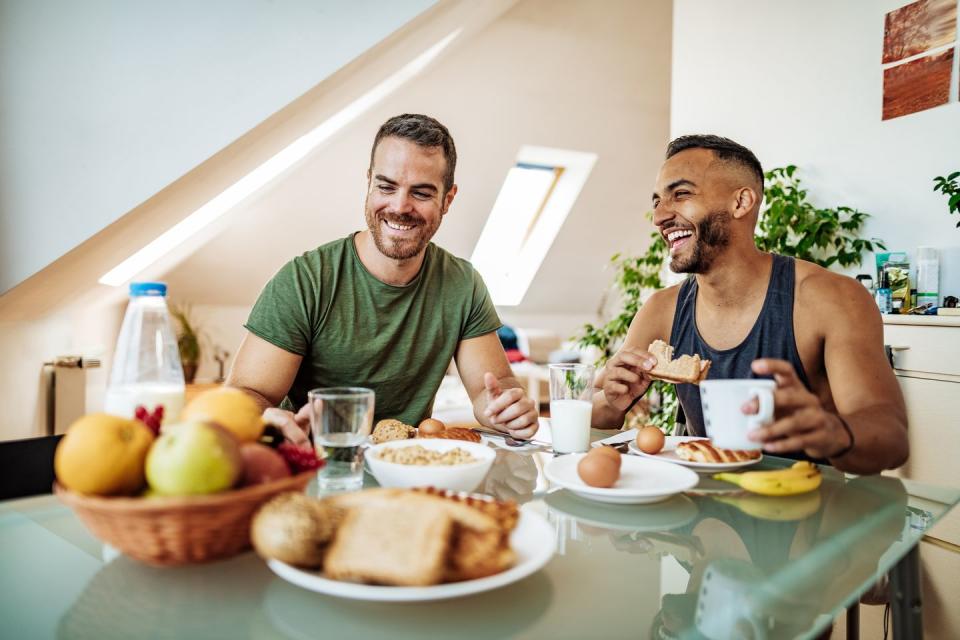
x=926 y=358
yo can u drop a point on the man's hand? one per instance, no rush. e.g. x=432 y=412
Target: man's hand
x=624 y=378
x=294 y=427
x=510 y=410
x=800 y=422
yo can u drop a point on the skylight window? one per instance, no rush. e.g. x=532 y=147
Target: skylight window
x=535 y=199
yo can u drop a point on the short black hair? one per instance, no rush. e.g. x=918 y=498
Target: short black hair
x=424 y=131
x=723 y=148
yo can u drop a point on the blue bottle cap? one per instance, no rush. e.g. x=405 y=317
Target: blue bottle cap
x=148 y=289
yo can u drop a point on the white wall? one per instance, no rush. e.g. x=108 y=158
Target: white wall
x=105 y=102
x=555 y=73
x=802 y=83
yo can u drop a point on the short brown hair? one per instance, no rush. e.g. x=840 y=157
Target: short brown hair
x=424 y=131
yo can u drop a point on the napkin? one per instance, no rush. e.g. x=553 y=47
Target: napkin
x=617 y=438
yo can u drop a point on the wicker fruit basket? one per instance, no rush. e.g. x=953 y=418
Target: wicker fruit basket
x=175 y=531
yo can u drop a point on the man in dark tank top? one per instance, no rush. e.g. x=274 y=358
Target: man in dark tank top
x=753 y=314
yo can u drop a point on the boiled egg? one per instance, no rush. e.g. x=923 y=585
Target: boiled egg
x=598 y=470
x=650 y=440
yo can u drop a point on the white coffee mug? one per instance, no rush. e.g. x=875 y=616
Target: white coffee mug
x=723 y=417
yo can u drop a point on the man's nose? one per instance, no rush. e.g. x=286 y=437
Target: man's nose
x=401 y=201
x=661 y=215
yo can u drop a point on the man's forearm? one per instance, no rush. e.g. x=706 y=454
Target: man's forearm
x=603 y=415
x=879 y=441
x=259 y=398
x=483 y=399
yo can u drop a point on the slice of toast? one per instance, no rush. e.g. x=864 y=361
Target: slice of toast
x=400 y=542
x=685 y=369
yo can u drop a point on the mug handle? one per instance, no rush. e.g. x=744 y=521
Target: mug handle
x=764 y=415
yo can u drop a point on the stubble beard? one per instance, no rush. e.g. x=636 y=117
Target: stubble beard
x=400 y=249
x=711 y=237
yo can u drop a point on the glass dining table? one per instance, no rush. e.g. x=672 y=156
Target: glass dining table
x=711 y=563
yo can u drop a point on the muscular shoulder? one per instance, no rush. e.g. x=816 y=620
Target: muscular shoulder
x=655 y=318
x=829 y=298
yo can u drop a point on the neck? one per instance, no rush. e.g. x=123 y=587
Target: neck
x=386 y=270
x=736 y=277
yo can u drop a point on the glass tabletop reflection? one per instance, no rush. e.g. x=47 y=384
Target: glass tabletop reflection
x=711 y=563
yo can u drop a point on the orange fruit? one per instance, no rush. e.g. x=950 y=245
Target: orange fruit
x=103 y=455
x=231 y=408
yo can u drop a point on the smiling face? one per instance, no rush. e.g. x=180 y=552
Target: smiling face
x=695 y=203
x=405 y=201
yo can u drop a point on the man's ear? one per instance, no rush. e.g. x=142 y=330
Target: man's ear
x=745 y=199
x=448 y=199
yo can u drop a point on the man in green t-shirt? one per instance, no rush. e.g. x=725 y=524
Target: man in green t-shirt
x=384 y=308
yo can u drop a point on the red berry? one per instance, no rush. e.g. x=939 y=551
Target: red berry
x=299 y=459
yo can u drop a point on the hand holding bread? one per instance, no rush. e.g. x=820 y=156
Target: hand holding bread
x=690 y=369
x=628 y=374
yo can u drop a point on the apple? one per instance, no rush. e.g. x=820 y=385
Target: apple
x=193 y=458
x=262 y=464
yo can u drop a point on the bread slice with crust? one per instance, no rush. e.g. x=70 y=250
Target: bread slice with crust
x=392 y=544
x=685 y=369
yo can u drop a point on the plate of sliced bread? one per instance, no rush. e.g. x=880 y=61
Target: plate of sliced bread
x=402 y=545
x=699 y=454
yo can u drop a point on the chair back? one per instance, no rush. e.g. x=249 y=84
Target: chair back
x=26 y=467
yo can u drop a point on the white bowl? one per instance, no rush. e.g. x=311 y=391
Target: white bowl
x=456 y=477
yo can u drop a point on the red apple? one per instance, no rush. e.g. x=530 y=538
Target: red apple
x=261 y=464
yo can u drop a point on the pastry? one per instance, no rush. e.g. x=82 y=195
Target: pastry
x=704 y=451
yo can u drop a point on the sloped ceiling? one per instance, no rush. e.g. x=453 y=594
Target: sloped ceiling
x=103 y=104
x=563 y=73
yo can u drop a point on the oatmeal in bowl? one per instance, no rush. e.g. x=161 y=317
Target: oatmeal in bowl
x=445 y=464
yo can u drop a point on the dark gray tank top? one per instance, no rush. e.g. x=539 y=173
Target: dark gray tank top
x=771 y=337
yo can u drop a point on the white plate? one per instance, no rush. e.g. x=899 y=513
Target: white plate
x=669 y=454
x=533 y=540
x=641 y=481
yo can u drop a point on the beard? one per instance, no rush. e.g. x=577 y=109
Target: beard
x=405 y=248
x=712 y=235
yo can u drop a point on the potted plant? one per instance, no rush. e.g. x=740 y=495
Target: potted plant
x=789 y=224
x=949 y=187
x=188 y=342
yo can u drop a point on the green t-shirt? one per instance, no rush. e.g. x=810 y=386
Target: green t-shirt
x=354 y=330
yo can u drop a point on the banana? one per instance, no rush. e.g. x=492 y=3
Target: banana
x=780 y=508
x=800 y=478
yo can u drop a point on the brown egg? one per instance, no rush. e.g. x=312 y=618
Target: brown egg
x=650 y=440
x=607 y=452
x=598 y=470
x=431 y=427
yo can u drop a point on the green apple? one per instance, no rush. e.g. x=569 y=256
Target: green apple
x=193 y=458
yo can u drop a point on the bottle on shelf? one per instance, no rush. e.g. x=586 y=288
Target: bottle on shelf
x=146 y=368
x=884 y=296
x=928 y=276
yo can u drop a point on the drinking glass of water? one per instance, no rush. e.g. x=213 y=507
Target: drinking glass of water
x=341 y=419
x=571 y=403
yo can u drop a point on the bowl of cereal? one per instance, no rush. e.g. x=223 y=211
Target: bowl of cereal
x=446 y=464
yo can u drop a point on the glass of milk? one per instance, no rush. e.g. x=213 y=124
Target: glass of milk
x=571 y=403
